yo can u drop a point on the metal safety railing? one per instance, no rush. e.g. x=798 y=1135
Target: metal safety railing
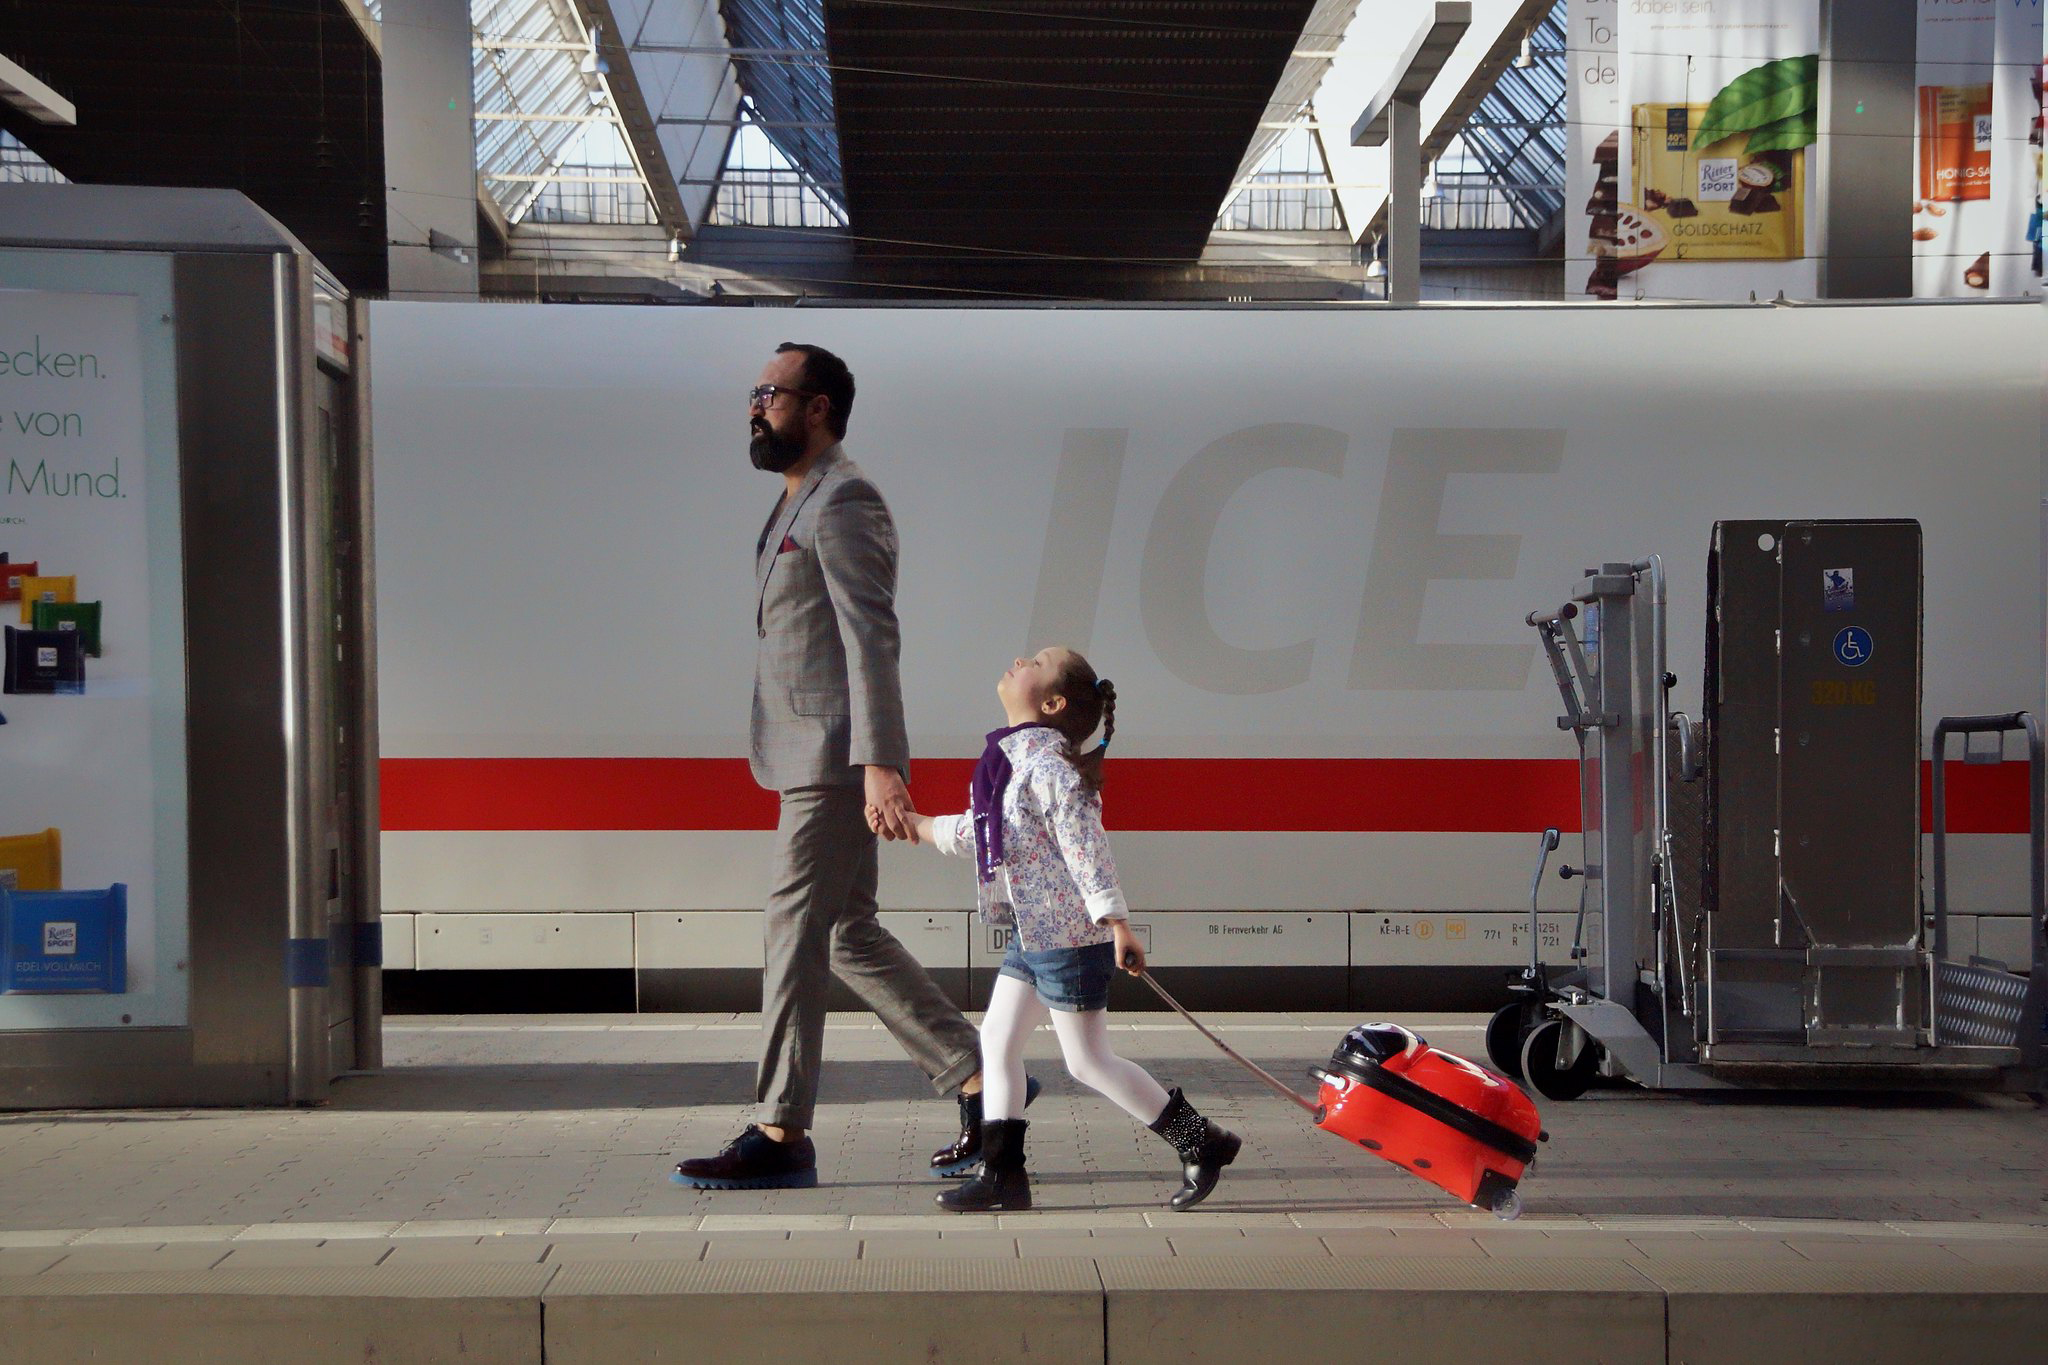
x=1973 y=1002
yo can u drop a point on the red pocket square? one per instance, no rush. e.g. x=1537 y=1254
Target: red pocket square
x=788 y=544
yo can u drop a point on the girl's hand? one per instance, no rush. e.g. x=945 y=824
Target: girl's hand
x=1130 y=954
x=920 y=826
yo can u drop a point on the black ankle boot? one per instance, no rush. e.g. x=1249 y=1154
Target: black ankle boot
x=1002 y=1186
x=1204 y=1149
x=963 y=1153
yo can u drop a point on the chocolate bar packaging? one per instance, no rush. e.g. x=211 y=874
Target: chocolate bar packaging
x=1955 y=142
x=64 y=941
x=32 y=862
x=11 y=576
x=45 y=588
x=46 y=662
x=1719 y=201
x=82 y=617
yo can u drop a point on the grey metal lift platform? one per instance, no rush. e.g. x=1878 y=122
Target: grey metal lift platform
x=1772 y=932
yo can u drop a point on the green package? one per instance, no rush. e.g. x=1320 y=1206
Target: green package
x=83 y=617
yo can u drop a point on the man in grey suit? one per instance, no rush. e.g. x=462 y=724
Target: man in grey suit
x=828 y=735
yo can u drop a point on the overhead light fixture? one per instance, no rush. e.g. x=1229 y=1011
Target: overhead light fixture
x=1526 y=58
x=1375 y=268
x=34 y=98
x=593 y=63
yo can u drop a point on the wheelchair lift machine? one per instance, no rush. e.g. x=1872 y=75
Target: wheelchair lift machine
x=1751 y=904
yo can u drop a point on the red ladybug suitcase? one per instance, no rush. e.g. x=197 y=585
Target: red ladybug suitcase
x=1458 y=1126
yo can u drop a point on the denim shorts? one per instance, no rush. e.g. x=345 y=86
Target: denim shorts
x=1070 y=979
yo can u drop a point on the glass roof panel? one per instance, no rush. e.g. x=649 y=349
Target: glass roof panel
x=787 y=80
x=547 y=131
x=1518 y=131
x=760 y=187
x=1290 y=191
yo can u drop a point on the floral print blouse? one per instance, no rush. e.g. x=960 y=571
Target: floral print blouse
x=1057 y=882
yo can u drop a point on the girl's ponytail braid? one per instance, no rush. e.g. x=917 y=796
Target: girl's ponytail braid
x=1091 y=701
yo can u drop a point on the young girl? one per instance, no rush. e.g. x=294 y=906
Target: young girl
x=1042 y=864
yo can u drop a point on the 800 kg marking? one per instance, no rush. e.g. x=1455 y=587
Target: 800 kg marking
x=1829 y=692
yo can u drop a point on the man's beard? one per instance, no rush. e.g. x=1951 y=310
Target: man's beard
x=772 y=451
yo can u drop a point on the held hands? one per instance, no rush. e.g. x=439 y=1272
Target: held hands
x=1130 y=954
x=889 y=811
x=920 y=826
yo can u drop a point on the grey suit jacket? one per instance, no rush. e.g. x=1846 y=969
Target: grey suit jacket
x=827 y=696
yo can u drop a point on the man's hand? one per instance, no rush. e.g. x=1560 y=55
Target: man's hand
x=892 y=814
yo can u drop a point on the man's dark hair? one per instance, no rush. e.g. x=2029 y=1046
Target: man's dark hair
x=827 y=374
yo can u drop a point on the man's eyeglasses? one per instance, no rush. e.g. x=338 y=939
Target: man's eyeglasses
x=763 y=396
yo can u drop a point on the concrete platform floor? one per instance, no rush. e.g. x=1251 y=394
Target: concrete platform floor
x=519 y=1151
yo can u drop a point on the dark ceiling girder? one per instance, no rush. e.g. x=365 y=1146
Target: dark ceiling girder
x=280 y=99
x=1097 y=128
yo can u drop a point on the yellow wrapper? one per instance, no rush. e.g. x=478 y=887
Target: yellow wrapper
x=32 y=862
x=1712 y=178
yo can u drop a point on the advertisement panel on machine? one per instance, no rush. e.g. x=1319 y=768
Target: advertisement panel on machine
x=1692 y=131
x=90 y=740
x=1301 y=542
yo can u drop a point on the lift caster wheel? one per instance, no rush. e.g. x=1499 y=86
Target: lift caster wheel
x=1508 y=1206
x=1504 y=1040
x=1541 y=1069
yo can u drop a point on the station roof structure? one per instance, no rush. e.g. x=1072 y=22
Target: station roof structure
x=1093 y=131
x=281 y=100
x=1518 y=130
x=1078 y=127
x=1031 y=141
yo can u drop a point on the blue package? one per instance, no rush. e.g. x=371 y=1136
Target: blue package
x=64 y=941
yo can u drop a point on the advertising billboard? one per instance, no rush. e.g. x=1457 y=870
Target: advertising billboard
x=1693 y=130
x=92 y=918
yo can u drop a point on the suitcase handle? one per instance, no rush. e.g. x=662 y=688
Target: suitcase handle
x=1281 y=1087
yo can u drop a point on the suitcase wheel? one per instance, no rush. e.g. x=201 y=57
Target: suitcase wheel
x=1499 y=1197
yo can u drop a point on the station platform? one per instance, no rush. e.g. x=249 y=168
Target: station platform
x=499 y=1192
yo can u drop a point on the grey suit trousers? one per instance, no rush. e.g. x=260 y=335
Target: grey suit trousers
x=820 y=923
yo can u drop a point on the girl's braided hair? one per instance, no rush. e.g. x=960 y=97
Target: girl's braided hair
x=1091 y=701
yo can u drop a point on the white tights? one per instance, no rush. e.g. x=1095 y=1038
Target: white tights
x=1014 y=1010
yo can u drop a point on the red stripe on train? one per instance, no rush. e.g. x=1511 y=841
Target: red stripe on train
x=1342 y=795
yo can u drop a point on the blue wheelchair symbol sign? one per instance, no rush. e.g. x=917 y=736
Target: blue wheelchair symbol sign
x=1853 y=646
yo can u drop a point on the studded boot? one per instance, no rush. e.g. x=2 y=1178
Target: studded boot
x=1204 y=1148
x=963 y=1153
x=1002 y=1186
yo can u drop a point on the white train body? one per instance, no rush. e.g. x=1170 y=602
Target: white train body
x=1301 y=542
